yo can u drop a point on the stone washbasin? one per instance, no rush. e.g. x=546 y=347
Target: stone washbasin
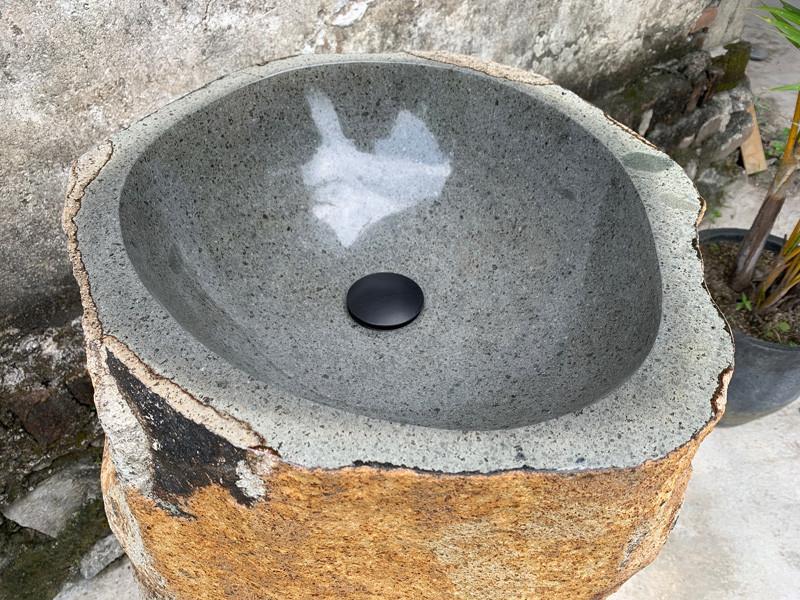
x=514 y=417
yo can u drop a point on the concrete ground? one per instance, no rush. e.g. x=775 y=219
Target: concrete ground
x=738 y=534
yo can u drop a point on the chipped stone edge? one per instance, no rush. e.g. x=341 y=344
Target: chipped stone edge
x=82 y=173
x=718 y=400
x=486 y=67
x=126 y=445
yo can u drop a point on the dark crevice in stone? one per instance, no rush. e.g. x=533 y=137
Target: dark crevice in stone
x=694 y=107
x=186 y=456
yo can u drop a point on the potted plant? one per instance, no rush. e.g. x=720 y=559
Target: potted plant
x=755 y=279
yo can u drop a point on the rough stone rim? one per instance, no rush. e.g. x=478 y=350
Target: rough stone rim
x=640 y=421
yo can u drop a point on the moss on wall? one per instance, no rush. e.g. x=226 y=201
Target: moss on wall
x=732 y=65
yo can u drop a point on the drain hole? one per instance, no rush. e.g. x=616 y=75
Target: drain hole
x=384 y=300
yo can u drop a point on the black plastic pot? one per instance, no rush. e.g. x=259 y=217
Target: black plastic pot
x=766 y=376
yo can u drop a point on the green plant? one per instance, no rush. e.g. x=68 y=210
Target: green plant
x=777 y=146
x=713 y=214
x=786 y=19
x=784 y=274
x=778 y=331
x=744 y=303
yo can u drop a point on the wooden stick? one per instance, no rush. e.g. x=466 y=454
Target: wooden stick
x=752 y=149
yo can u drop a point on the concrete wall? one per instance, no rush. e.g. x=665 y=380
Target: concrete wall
x=72 y=72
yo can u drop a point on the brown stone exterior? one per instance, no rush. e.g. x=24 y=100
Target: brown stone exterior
x=373 y=533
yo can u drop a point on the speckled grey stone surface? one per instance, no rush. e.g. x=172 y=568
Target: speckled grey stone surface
x=565 y=324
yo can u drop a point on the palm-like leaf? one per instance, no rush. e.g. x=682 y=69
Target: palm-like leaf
x=793 y=12
x=784 y=275
x=785 y=19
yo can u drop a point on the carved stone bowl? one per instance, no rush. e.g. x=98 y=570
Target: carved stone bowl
x=527 y=434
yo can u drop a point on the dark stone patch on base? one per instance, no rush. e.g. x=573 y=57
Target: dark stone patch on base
x=186 y=456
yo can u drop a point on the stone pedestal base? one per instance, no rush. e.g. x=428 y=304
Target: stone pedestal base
x=375 y=532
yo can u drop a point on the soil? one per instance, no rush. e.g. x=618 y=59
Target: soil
x=779 y=325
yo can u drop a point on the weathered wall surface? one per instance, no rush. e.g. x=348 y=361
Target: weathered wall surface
x=72 y=72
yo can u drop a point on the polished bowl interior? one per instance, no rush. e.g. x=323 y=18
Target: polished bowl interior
x=249 y=220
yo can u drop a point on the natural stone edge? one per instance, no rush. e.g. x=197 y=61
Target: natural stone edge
x=486 y=67
x=82 y=173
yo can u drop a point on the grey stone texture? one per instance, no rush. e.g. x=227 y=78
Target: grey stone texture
x=103 y=553
x=234 y=226
x=51 y=504
x=744 y=196
x=693 y=107
x=66 y=505
x=73 y=72
x=728 y=23
x=46 y=408
x=48 y=429
x=440 y=175
x=116 y=582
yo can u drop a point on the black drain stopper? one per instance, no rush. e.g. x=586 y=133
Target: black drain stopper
x=384 y=300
